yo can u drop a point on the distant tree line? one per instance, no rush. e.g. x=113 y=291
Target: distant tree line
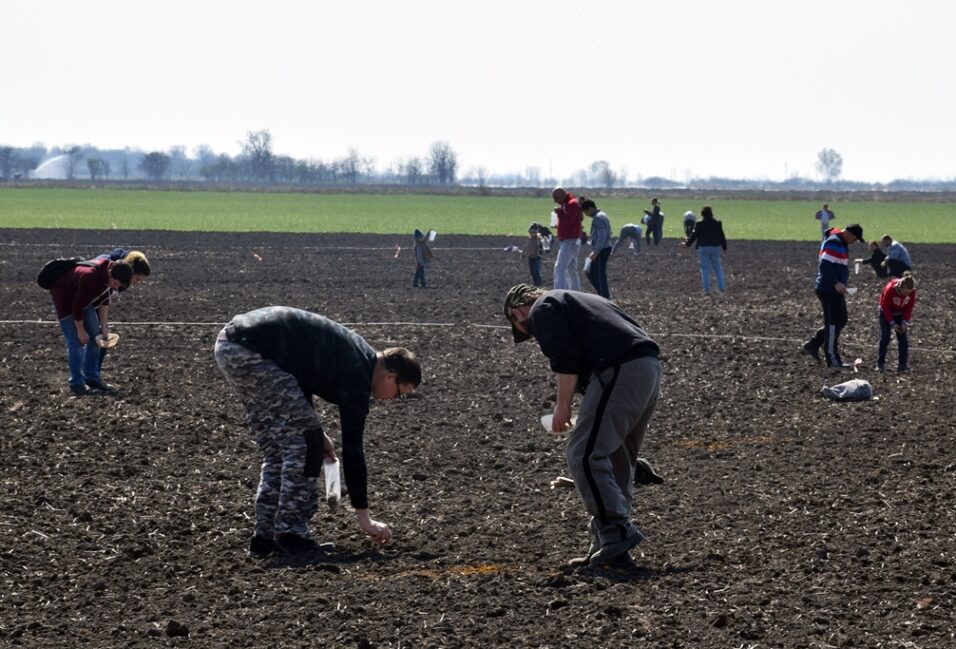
x=258 y=164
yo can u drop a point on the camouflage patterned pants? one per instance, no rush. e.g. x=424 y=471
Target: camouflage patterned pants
x=279 y=416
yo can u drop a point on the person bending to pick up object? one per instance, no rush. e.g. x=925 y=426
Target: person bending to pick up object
x=595 y=347
x=896 y=310
x=276 y=358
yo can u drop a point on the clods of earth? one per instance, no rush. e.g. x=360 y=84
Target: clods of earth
x=785 y=520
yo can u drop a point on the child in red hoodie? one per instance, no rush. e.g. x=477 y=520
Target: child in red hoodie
x=896 y=309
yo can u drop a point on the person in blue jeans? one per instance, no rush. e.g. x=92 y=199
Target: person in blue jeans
x=708 y=236
x=80 y=298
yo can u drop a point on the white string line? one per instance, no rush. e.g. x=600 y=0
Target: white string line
x=469 y=324
x=147 y=246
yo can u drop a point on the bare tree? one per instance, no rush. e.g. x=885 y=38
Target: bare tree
x=179 y=164
x=413 y=170
x=95 y=167
x=442 y=162
x=349 y=166
x=368 y=166
x=829 y=164
x=603 y=174
x=7 y=160
x=258 y=149
x=74 y=156
x=155 y=165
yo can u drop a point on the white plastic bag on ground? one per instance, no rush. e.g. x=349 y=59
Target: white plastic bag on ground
x=852 y=390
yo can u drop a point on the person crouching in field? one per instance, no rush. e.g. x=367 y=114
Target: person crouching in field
x=594 y=346
x=81 y=298
x=276 y=358
x=876 y=259
x=423 y=258
x=896 y=310
x=630 y=235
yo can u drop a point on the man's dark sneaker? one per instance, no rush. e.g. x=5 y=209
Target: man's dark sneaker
x=291 y=543
x=611 y=551
x=96 y=385
x=811 y=350
x=645 y=474
x=880 y=367
x=903 y=369
x=79 y=390
x=260 y=546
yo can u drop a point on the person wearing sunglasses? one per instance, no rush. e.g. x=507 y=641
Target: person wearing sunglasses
x=276 y=358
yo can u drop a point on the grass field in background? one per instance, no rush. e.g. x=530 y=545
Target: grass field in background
x=96 y=209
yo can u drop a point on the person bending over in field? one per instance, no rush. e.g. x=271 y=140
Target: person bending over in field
x=597 y=348
x=276 y=358
x=896 y=310
x=141 y=270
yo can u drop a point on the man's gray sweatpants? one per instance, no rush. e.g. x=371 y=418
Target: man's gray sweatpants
x=606 y=441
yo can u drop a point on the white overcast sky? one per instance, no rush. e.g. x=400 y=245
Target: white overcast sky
x=752 y=88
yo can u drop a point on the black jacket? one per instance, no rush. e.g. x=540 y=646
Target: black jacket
x=582 y=333
x=328 y=360
x=707 y=232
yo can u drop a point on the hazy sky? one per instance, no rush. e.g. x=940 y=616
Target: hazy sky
x=672 y=88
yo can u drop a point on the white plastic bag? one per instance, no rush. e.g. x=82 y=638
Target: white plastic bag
x=333 y=484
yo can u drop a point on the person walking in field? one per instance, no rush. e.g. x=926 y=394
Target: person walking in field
x=276 y=358
x=569 y=231
x=630 y=235
x=595 y=347
x=423 y=259
x=600 y=240
x=896 y=311
x=833 y=274
x=824 y=215
x=708 y=236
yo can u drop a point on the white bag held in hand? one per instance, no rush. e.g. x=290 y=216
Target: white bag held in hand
x=333 y=484
x=548 y=420
x=587 y=264
x=431 y=235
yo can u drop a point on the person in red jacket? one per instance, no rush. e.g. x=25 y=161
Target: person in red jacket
x=896 y=309
x=80 y=297
x=570 y=230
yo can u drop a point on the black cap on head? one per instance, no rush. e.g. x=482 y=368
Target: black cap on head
x=856 y=229
x=513 y=299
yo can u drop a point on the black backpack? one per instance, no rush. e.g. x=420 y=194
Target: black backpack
x=55 y=267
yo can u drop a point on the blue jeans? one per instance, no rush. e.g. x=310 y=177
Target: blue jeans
x=710 y=260
x=83 y=360
x=886 y=332
x=566 y=265
x=534 y=266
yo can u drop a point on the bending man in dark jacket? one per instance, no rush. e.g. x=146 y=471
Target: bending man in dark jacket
x=590 y=341
x=277 y=358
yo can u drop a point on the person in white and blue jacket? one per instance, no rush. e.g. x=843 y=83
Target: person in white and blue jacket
x=600 y=238
x=833 y=274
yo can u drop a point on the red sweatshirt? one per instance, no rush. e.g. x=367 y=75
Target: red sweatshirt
x=80 y=287
x=892 y=302
x=570 y=218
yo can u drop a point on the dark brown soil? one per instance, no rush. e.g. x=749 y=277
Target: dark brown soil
x=785 y=520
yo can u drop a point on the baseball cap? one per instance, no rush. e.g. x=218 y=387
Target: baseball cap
x=856 y=229
x=513 y=299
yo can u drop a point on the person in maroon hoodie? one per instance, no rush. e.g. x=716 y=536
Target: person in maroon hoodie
x=80 y=297
x=570 y=218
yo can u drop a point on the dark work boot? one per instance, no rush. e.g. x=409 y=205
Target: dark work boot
x=260 y=546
